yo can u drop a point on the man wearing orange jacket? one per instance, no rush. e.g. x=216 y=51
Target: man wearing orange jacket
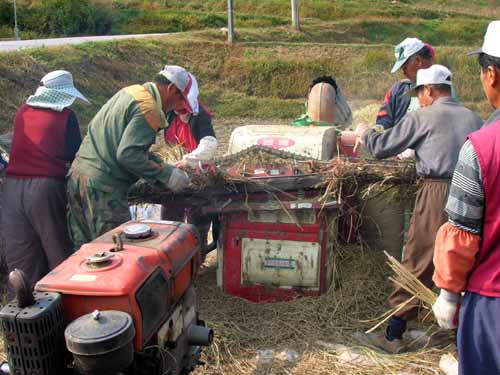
x=467 y=250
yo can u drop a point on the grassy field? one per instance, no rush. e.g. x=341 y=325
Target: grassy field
x=252 y=79
x=267 y=72
x=345 y=21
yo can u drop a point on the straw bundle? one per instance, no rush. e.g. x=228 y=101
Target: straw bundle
x=406 y=280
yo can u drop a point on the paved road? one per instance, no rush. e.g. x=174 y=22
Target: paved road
x=16 y=45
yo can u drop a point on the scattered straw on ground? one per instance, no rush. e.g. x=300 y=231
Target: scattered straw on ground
x=308 y=335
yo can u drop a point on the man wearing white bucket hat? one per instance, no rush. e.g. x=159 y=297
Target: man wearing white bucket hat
x=46 y=139
x=115 y=153
x=436 y=132
x=467 y=252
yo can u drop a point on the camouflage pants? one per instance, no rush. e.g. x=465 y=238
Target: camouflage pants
x=92 y=211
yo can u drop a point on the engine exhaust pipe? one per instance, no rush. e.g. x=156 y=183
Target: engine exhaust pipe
x=200 y=335
x=22 y=289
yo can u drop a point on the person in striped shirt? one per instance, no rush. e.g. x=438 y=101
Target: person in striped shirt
x=467 y=247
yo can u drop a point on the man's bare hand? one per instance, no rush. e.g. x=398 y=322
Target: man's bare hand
x=360 y=131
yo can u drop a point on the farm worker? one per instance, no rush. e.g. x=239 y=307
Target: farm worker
x=115 y=154
x=46 y=139
x=467 y=251
x=436 y=132
x=411 y=55
x=339 y=114
x=192 y=130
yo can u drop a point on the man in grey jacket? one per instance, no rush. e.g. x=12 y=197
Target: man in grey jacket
x=436 y=133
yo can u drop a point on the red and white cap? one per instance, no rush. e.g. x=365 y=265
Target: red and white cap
x=185 y=82
x=491 y=44
x=192 y=96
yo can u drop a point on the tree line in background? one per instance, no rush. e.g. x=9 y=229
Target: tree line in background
x=57 y=17
x=53 y=18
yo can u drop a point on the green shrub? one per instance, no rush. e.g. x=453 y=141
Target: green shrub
x=66 y=17
x=213 y=20
x=6 y=13
x=6 y=32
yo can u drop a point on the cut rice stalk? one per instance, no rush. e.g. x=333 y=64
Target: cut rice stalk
x=406 y=280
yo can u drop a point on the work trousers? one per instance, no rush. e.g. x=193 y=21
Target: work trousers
x=427 y=218
x=34 y=225
x=93 y=211
x=479 y=335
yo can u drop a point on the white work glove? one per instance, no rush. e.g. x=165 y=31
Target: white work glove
x=178 y=180
x=446 y=309
x=205 y=151
x=407 y=154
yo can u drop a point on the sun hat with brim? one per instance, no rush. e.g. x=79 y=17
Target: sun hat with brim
x=491 y=43
x=56 y=91
x=404 y=50
x=434 y=75
x=183 y=80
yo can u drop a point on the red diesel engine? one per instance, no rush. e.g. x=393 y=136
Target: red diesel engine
x=122 y=304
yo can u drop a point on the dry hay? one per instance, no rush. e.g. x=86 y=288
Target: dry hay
x=311 y=327
x=366 y=115
x=348 y=175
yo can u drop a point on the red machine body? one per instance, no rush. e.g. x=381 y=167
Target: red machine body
x=142 y=277
x=272 y=251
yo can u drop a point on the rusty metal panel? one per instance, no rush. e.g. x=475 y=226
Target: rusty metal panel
x=280 y=263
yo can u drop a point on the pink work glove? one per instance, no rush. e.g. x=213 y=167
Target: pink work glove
x=446 y=309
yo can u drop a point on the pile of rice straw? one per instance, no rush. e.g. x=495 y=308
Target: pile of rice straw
x=339 y=175
x=314 y=328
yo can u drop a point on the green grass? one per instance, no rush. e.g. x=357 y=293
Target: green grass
x=264 y=80
x=267 y=72
x=342 y=21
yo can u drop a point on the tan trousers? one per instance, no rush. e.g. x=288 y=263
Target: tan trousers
x=428 y=216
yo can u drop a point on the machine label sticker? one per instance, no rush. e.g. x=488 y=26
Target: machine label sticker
x=305 y=205
x=83 y=278
x=279 y=263
x=276 y=142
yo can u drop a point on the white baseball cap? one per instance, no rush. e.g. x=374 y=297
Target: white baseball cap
x=491 y=43
x=183 y=80
x=434 y=75
x=404 y=50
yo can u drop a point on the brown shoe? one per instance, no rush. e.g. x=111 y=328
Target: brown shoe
x=379 y=341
